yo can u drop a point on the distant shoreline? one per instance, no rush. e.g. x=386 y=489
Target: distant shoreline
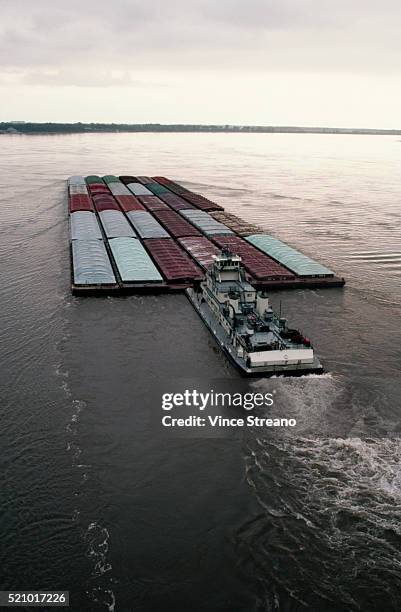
x=21 y=127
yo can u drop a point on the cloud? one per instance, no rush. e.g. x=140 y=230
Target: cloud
x=95 y=78
x=80 y=42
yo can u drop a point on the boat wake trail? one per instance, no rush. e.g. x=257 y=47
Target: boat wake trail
x=95 y=537
x=328 y=534
x=97 y=540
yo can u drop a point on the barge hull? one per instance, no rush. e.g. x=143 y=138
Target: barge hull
x=300 y=283
x=127 y=289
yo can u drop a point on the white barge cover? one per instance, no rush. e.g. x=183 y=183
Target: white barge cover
x=115 y=224
x=132 y=261
x=91 y=263
x=294 y=260
x=139 y=189
x=76 y=180
x=146 y=225
x=119 y=189
x=205 y=223
x=84 y=226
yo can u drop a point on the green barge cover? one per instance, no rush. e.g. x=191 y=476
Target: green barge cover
x=110 y=178
x=93 y=178
x=157 y=189
x=297 y=262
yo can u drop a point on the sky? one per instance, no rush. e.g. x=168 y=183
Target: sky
x=334 y=63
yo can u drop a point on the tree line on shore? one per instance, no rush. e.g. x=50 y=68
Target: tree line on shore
x=22 y=127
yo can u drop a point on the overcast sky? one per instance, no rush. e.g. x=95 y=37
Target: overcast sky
x=287 y=62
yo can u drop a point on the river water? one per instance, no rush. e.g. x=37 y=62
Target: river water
x=94 y=500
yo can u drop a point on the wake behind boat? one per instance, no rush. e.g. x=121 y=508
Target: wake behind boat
x=257 y=341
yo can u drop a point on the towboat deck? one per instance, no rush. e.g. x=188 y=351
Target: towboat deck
x=223 y=340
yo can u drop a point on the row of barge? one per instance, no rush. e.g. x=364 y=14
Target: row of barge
x=133 y=234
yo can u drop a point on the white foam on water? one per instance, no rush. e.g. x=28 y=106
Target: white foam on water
x=331 y=491
x=347 y=494
x=77 y=406
x=112 y=605
x=97 y=539
x=373 y=465
x=307 y=399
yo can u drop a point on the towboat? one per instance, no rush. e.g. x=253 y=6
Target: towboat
x=255 y=339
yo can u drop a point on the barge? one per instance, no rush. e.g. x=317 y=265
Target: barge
x=135 y=234
x=244 y=325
